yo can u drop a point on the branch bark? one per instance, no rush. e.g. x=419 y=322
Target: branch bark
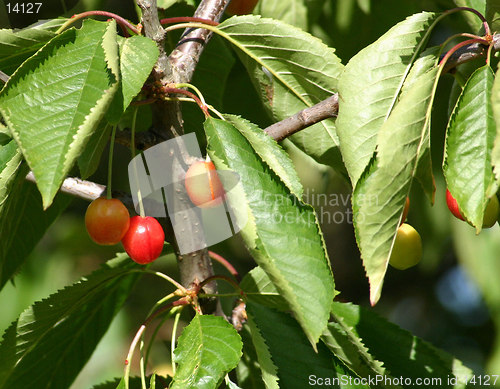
x=186 y=55
x=325 y=109
x=178 y=68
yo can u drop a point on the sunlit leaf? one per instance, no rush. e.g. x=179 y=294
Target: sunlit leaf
x=278 y=224
x=54 y=102
x=380 y=195
x=370 y=86
x=208 y=349
x=292 y=70
x=51 y=341
x=469 y=143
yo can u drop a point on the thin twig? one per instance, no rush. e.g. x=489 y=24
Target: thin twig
x=307 y=117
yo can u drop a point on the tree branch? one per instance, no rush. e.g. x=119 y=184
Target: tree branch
x=186 y=55
x=307 y=117
x=179 y=67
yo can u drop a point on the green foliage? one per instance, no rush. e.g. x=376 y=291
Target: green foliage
x=292 y=70
x=469 y=143
x=10 y=161
x=495 y=105
x=208 y=348
x=89 y=160
x=399 y=143
x=270 y=152
x=391 y=345
x=68 y=90
x=138 y=55
x=493 y=14
x=370 y=87
x=294 y=359
x=51 y=341
x=269 y=237
x=134 y=383
x=17 y=45
x=76 y=76
x=23 y=222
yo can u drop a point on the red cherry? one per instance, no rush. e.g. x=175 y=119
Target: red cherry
x=144 y=239
x=241 y=7
x=453 y=205
x=107 y=221
x=203 y=185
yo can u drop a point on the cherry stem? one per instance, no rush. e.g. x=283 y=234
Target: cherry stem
x=172 y=342
x=488 y=55
x=486 y=26
x=134 y=163
x=139 y=334
x=194 y=88
x=224 y=262
x=187 y=19
x=202 y=106
x=153 y=336
x=223 y=278
x=110 y=162
x=458 y=46
x=183 y=290
x=182 y=301
x=131 y=350
x=123 y=23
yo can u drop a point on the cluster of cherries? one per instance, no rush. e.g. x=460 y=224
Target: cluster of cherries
x=108 y=221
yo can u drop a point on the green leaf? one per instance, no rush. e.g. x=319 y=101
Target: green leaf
x=259 y=288
x=270 y=152
x=402 y=353
x=293 y=12
x=208 y=348
x=256 y=369
x=424 y=173
x=138 y=55
x=299 y=365
x=89 y=159
x=52 y=340
x=10 y=161
x=230 y=384
x=495 y=103
x=23 y=222
x=370 y=86
x=268 y=370
x=469 y=143
x=278 y=224
x=56 y=99
x=379 y=197
x=479 y=5
x=493 y=14
x=17 y=45
x=345 y=343
x=212 y=72
x=292 y=70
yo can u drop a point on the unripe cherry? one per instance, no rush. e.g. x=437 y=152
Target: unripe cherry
x=407 y=249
